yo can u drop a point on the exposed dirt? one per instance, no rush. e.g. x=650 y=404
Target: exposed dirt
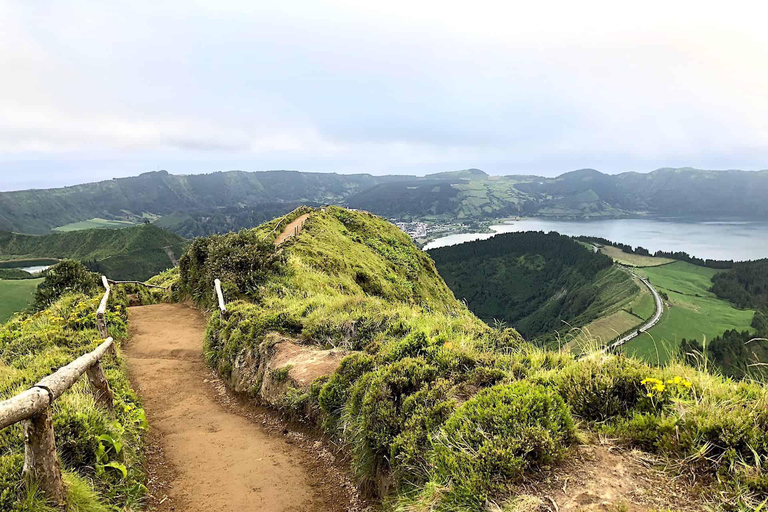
x=290 y=229
x=209 y=452
x=605 y=478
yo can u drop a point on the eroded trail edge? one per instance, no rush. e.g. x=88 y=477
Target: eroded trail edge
x=204 y=455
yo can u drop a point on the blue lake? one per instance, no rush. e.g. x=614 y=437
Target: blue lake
x=723 y=240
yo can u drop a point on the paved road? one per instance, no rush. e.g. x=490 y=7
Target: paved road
x=650 y=323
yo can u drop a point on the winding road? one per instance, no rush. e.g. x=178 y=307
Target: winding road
x=650 y=323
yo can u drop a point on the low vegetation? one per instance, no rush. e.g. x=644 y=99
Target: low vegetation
x=438 y=410
x=100 y=452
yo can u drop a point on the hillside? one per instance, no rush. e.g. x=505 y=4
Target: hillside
x=160 y=193
x=462 y=195
x=100 y=451
x=347 y=325
x=130 y=253
x=540 y=283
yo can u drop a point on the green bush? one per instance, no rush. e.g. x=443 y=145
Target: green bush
x=424 y=412
x=68 y=276
x=87 y=437
x=497 y=435
x=333 y=395
x=381 y=415
x=602 y=388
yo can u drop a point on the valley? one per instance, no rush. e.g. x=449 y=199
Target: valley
x=331 y=312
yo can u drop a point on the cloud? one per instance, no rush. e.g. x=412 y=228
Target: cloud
x=396 y=86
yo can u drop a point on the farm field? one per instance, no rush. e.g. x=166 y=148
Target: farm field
x=633 y=260
x=693 y=311
x=16 y=296
x=95 y=223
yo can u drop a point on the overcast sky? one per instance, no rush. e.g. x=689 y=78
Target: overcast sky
x=92 y=90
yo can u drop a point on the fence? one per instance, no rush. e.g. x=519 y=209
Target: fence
x=220 y=297
x=33 y=407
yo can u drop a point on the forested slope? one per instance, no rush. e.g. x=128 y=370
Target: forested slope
x=534 y=281
x=449 y=196
x=130 y=253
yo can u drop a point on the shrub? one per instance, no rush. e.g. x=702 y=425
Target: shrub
x=242 y=261
x=65 y=277
x=599 y=389
x=497 y=435
x=31 y=347
x=382 y=416
x=425 y=411
x=333 y=395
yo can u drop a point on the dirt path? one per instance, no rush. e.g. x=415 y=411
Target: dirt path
x=290 y=229
x=203 y=455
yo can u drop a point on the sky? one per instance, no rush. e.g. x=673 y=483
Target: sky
x=93 y=90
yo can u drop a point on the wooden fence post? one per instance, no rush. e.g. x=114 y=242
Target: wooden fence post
x=100 y=386
x=40 y=462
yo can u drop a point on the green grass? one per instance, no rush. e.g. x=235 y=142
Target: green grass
x=91 y=442
x=122 y=254
x=643 y=305
x=16 y=296
x=430 y=397
x=633 y=260
x=693 y=313
x=95 y=223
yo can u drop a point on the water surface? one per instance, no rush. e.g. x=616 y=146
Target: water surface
x=722 y=240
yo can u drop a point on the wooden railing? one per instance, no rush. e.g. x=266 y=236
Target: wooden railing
x=33 y=407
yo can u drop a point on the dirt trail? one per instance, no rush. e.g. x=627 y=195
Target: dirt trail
x=203 y=455
x=290 y=229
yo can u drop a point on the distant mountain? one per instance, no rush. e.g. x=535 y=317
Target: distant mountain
x=161 y=193
x=235 y=198
x=129 y=253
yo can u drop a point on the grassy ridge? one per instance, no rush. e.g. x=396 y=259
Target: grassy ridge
x=129 y=253
x=694 y=312
x=16 y=296
x=100 y=452
x=434 y=402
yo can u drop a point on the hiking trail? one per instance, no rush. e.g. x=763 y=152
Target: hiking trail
x=203 y=453
x=291 y=229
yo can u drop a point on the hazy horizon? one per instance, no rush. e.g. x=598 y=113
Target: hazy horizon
x=96 y=91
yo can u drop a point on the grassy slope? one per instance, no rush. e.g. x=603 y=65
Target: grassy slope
x=16 y=296
x=437 y=399
x=95 y=223
x=129 y=253
x=624 y=304
x=29 y=348
x=694 y=311
x=633 y=260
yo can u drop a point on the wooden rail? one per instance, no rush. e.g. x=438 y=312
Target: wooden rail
x=138 y=283
x=220 y=297
x=33 y=408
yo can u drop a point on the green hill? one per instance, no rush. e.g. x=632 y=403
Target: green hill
x=438 y=410
x=542 y=284
x=160 y=193
x=130 y=253
x=460 y=195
